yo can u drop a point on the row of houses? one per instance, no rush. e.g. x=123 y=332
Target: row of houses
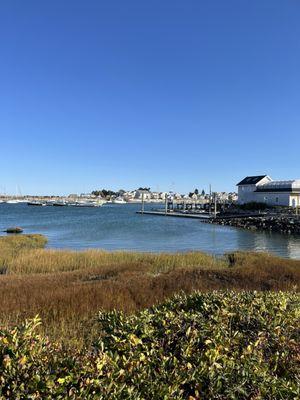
x=149 y=196
x=263 y=189
x=259 y=188
x=222 y=197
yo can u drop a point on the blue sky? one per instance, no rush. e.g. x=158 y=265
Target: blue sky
x=168 y=94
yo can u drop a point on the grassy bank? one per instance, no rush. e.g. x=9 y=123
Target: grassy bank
x=67 y=288
x=202 y=346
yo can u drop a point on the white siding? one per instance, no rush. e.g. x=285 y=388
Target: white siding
x=246 y=192
x=295 y=200
x=273 y=198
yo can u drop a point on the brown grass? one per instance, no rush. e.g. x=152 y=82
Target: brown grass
x=12 y=246
x=67 y=288
x=49 y=261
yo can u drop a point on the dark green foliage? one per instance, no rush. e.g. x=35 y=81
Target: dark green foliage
x=253 y=205
x=221 y=345
x=104 y=193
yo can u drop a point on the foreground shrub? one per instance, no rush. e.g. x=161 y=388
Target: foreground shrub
x=222 y=345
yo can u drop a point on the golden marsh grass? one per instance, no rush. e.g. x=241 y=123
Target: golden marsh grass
x=67 y=288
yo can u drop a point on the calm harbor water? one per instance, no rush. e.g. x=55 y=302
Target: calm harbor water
x=116 y=227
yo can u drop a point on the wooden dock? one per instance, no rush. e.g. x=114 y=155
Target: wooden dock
x=201 y=216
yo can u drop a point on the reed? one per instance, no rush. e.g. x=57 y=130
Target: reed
x=67 y=288
x=12 y=246
x=50 y=261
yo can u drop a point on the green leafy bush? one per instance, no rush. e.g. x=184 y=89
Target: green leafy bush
x=221 y=345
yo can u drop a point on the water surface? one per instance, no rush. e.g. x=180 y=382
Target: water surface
x=118 y=227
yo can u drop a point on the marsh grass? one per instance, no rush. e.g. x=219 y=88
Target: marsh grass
x=12 y=246
x=67 y=288
x=50 y=261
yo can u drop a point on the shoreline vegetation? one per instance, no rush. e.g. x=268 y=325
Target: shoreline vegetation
x=66 y=288
x=146 y=326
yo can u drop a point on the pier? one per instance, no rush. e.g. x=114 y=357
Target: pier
x=183 y=209
x=201 y=216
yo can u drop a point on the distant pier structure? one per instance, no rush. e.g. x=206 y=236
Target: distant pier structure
x=186 y=205
x=186 y=208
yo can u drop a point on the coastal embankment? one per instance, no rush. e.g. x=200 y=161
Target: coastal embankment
x=273 y=223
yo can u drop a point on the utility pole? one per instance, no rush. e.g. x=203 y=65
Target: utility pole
x=215 y=206
x=143 y=202
x=166 y=205
x=209 y=199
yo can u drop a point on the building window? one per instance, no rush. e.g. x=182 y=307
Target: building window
x=277 y=199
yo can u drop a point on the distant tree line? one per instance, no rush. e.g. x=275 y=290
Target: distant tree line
x=196 y=192
x=106 y=193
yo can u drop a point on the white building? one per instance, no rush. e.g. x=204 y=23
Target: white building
x=262 y=189
x=140 y=193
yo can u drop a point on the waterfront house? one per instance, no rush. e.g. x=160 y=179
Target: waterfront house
x=262 y=189
x=139 y=194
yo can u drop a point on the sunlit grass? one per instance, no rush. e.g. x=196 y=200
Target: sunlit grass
x=68 y=287
x=50 y=261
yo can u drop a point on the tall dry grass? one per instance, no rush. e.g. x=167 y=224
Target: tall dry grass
x=67 y=288
x=51 y=261
x=25 y=254
x=12 y=246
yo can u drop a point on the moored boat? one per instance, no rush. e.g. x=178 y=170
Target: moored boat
x=59 y=204
x=119 y=200
x=35 y=203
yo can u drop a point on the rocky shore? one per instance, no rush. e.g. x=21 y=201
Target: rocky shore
x=282 y=224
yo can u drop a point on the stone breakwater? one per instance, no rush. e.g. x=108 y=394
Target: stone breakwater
x=288 y=225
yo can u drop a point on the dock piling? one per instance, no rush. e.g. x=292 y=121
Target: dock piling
x=143 y=203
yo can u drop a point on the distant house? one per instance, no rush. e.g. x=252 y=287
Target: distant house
x=140 y=193
x=263 y=189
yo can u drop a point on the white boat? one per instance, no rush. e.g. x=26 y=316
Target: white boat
x=36 y=203
x=82 y=204
x=119 y=200
x=59 y=203
x=14 y=201
x=87 y=203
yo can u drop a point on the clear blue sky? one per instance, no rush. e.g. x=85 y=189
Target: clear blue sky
x=167 y=94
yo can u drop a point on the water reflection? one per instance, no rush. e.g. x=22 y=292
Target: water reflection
x=282 y=245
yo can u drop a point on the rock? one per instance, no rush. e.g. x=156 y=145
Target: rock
x=14 y=229
x=252 y=227
x=280 y=223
